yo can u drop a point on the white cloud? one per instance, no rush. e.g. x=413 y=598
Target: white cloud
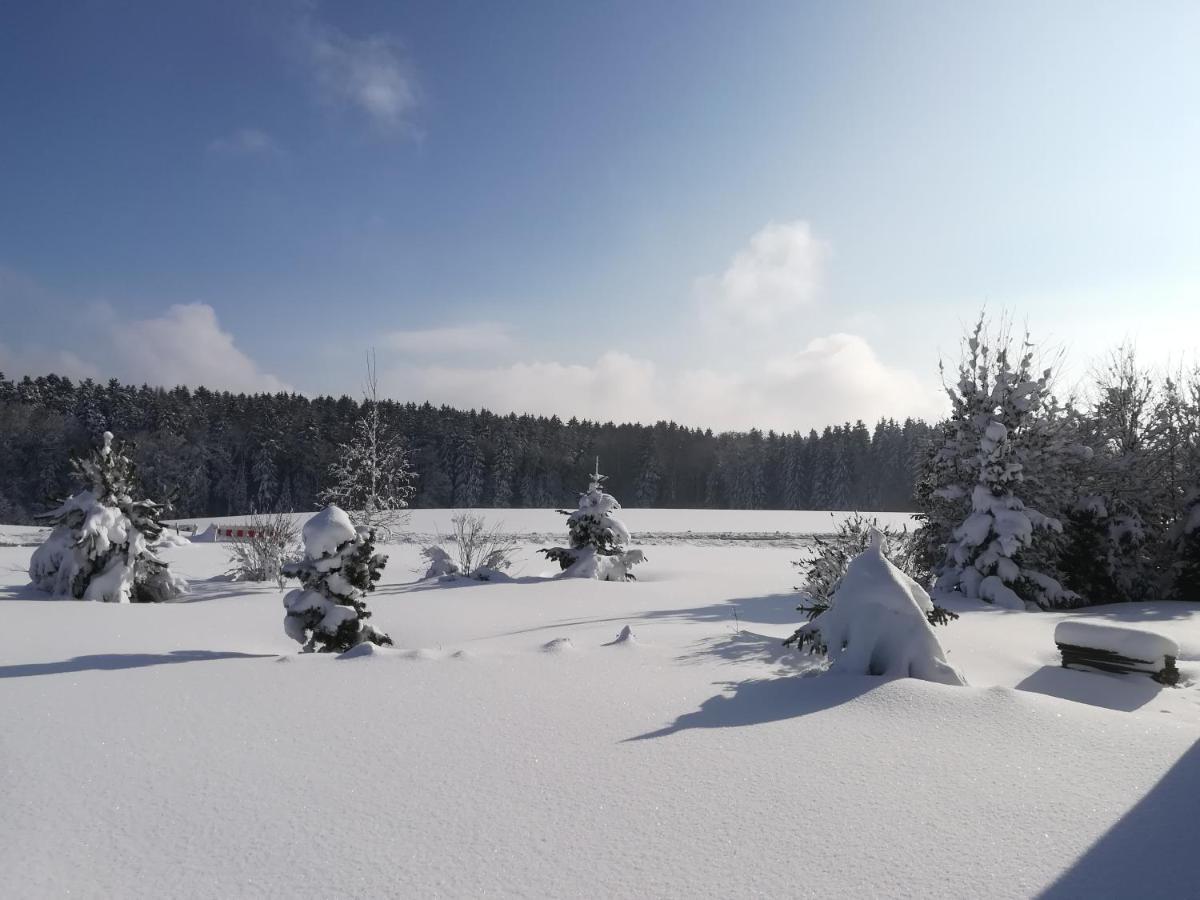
x=781 y=270
x=481 y=337
x=185 y=345
x=833 y=379
x=245 y=142
x=370 y=75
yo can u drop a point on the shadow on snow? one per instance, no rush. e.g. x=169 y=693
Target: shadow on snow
x=1150 y=851
x=1120 y=692
x=764 y=700
x=115 y=661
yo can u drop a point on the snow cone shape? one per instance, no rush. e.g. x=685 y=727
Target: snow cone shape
x=597 y=539
x=340 y=567
x=877 y=624
x=99 y=548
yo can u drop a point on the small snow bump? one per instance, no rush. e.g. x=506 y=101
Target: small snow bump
x=626 y=637
x=362 y=650
x=558 y=645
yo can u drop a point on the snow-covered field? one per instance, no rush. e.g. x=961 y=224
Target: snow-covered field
x=509 y=747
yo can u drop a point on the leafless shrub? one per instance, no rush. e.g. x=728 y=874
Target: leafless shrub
x=275 y=540
x=477 y=545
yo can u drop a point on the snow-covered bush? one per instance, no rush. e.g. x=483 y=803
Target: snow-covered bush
x=825 y=569
x=340 y=567
x=877 y=624
x=99 y=545
x=275 y=539
x=439 y=562
x=597 y=539
x=482 y=551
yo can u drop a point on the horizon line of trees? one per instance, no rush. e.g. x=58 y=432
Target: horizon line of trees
x=216 y=453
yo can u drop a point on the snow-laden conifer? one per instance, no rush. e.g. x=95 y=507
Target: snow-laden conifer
x=328 y=612
x=597 y=538
x=99 y=547
x=1001 y=446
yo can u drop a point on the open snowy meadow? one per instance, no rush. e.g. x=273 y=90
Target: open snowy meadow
x=511 y=744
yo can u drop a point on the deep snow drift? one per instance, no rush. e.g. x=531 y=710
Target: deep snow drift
x=512 y=744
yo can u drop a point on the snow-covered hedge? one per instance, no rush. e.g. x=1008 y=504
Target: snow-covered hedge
x=99 y=547
x=877 y=624
x=340 y=567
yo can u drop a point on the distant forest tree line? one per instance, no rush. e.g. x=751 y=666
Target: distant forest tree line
x=217 y=453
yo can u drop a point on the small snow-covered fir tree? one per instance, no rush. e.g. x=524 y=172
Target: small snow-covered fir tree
x=371 y=477
x=99 y=545
x=877 y=623
x=328 y=612
x=597 y=538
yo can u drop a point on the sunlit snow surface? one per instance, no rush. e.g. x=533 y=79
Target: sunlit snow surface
x=511 y=745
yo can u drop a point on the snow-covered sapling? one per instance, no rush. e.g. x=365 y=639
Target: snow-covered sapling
x=371 y=476
x=99 y=545
x=597 y=538
x=877 y=624
x=340 y=567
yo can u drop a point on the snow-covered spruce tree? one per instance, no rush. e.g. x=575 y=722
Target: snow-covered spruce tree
x=824 y=571
x=1000 y=436
x=371 y=477
x=328 y=612
x=99 y=545
x=877 y=624
x=597 y=538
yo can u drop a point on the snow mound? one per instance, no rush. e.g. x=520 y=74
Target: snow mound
x=1131 y=642
x=558 y=645
x=364 y=650
x=440 y=563
x=421 y=654
x=625 y=638
x=326 y=531
x=877 y=624
x=171 y=539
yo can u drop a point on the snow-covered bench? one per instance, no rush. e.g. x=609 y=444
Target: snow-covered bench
x=1112 y=649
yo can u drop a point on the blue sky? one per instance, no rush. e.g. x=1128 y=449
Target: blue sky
x=729 y=214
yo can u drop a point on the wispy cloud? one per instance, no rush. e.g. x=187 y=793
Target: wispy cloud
x=477 y=337
x=370 y=75
x=779 y=271
x=245 y=142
